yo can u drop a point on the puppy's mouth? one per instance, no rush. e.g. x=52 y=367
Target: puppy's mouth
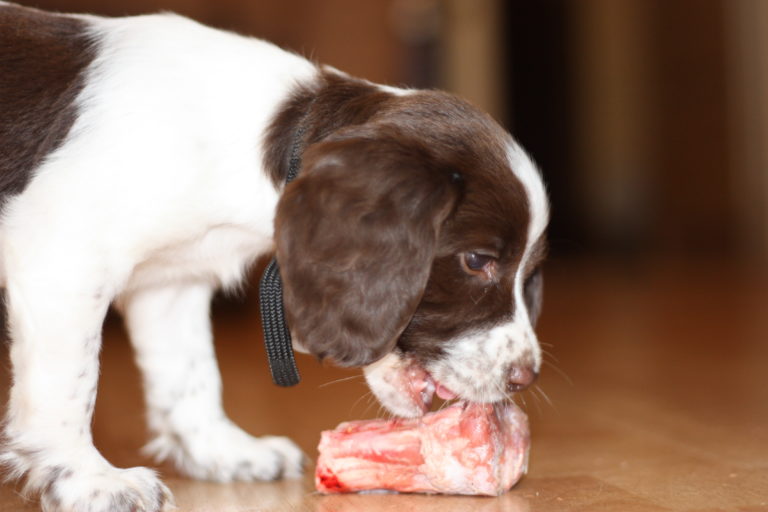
x=403 y=386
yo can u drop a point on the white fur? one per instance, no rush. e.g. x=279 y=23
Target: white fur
x=530 y=177
x=476 y=365
x=170 y=330
x=167 y=150
x=391 y=381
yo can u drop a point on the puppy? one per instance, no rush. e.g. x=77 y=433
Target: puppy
x=143 y=163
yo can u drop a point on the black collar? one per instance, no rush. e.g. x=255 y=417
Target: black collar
x=277 y=337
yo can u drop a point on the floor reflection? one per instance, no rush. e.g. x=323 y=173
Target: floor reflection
x=280 y=495
x=509 y=502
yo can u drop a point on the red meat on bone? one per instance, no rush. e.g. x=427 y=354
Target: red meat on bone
x=461 y=449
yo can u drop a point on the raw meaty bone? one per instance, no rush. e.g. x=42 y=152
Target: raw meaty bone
x=462 y=449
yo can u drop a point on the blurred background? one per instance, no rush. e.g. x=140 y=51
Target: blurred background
x=647 y=117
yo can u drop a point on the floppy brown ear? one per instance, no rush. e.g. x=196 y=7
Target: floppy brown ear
x=356 y=235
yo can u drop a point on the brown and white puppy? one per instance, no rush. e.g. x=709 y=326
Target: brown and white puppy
x=143 y=161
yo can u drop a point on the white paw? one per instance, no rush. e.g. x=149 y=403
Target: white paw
x=292 y=456
x=224 y=453
x=81 y=480
x=107 y=489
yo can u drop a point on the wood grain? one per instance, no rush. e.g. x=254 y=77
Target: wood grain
x=654 y=398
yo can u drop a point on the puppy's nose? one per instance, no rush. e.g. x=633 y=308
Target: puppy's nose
x=520 y=378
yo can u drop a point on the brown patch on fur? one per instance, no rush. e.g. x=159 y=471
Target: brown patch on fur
x=493 y=215
x=42 y=59
x=370 y=234
x=356 y=234
x=322 y=107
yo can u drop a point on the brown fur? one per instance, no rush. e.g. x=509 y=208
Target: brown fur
x=42 y=60
x=349 y=297
x=392 y=190
x=324 y=106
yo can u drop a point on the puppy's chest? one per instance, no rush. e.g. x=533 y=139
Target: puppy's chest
x=219 y=254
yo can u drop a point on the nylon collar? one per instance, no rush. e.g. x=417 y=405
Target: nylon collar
x=277 y=336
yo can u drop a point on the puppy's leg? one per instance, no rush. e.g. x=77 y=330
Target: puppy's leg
x=171 y=332
x=55 y=319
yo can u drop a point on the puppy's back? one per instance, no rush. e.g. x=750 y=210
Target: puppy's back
x=43 y=57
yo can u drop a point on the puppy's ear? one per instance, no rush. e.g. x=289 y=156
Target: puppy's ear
x=356 y=235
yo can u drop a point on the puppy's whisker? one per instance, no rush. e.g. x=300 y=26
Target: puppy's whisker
x=550 y=355
x=367 y=395
x=559 y=371
x=522 y=397
x=371 y=404
x=383 y=412
x=477 y=301
x=544 y=395
x=537 y=402
x=336 y=381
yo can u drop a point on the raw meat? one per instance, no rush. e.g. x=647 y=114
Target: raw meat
x=462 y=449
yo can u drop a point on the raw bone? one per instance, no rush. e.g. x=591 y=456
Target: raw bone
x=462 y=449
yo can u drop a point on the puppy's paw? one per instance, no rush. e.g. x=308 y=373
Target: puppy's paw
x=293 y=458
x=81 y=480
x=225 y=453
x=106 y=489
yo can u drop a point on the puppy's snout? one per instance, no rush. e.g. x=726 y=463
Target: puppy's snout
x=520 y=377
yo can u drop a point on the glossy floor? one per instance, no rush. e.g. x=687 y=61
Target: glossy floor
x=654 y=398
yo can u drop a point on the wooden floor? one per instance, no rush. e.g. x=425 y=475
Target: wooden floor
x=654 y=397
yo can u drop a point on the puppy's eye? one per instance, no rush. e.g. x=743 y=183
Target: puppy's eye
x=474 y=262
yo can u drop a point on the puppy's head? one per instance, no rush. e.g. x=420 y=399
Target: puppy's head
x=411 y=245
